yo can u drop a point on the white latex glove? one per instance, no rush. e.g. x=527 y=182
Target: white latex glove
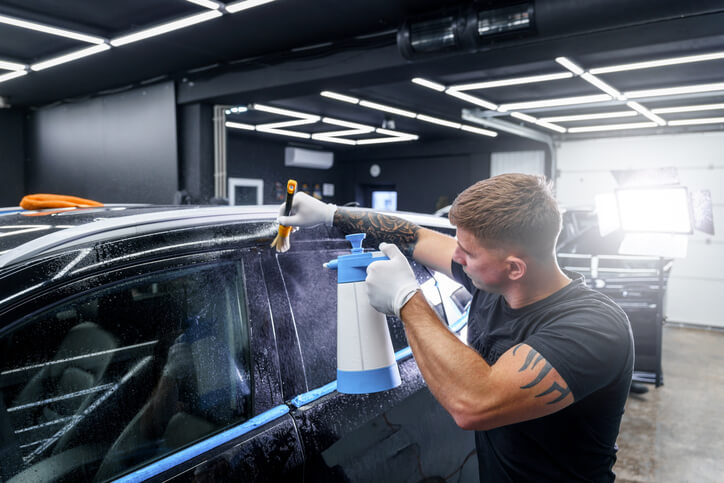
x=307 y=211
x=390 y=283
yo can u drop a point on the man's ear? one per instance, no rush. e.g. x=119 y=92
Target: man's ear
x=517 y=267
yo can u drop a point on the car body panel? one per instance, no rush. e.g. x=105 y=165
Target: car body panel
x=290 y=302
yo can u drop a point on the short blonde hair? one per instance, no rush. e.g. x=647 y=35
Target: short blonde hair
x=510 y=209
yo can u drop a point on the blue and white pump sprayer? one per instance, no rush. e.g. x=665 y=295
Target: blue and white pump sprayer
x=365 y=358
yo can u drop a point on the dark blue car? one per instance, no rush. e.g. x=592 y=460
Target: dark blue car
x=171 y=343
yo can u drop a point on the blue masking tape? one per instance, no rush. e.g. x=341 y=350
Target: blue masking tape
x=176 y=459
x=313 y=395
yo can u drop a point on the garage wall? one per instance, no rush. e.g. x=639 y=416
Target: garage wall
x=115 y=148
x=262 y=157
x=697 y=282
x=12 y=156
x=422 y=172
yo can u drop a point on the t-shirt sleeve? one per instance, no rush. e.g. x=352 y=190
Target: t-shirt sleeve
x=589 y=346
x=460 y=276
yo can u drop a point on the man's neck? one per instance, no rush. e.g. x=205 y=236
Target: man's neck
x=541 y=282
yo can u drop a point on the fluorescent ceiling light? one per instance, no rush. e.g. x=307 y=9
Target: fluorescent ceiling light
x=523 y=117
x=340 y=122
x=570 y=65
x=283 y=132
x=564 y=101
x=12 y=75
x=206 y=3
x=390 y=109
x=641 y=109
x=339 y=97
x=658 y=63
x=429 y=84
x=587 y=117
x=700 y=107
x=478 y=130
x=706 y=120
x=51 y=30
x=236 y=110
x=399 y=134
x=437 y=120
x=284 y=112
x=672 y=91
x=612 y=127
x=239 y=125
x=332 y=139
x=395 y=139
x=551 y=126
x=291 y=123
x=78 y=54
x=4 y=64
x=592 y=79
x=472 y=99
x=244 y=5
x=512 y=82
x=166 y=28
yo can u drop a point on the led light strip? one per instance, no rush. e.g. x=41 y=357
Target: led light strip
x=215 y=11
x=706 y=120
x=658 y=63
x=670 y=91
x=641 y=109
x=165 y=28
x=206 y=4
x=612 y=127
x=540 y=122
x=507 y=82
x=587 y=117
x=38 y=27
x=412 y=115
x=563 y=101
x=78 y=54
x=12 y=75
x=4 y=64
x=303 y=118
x=700 y=107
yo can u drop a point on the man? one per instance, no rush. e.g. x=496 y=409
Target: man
x=546 y=372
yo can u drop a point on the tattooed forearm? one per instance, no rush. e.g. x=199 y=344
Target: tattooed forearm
x=531 y=361
x=379 y=228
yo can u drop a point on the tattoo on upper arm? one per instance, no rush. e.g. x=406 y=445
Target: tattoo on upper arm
x=531 y=361
x=379 y=228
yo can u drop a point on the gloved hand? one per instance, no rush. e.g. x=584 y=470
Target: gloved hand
x=390 y=283
x=307 y=211
x=180 y=361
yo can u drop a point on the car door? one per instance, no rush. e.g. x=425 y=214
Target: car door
x=398 y=435
x=162 y=370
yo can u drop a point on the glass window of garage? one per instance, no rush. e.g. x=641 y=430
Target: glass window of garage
x=123 y=375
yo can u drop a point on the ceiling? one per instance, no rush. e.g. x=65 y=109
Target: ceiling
x=284 y=53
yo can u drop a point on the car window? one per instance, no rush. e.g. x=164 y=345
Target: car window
x=312 y=291
x=124 y=374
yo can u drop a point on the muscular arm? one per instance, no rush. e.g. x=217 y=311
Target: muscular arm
x=520 y=386
x=428 y=247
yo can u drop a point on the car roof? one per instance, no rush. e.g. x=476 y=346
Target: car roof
x=26 y=234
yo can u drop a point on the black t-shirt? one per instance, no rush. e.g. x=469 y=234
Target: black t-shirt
x=587 y=338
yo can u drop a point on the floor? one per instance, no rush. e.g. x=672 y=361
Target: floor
x=675 y=433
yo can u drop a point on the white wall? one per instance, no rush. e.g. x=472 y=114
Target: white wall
x=696 y=285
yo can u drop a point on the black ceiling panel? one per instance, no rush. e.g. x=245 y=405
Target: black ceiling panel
x=26 y=46
x=111 y=18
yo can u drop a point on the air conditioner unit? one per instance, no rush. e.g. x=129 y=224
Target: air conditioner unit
x=308 y=158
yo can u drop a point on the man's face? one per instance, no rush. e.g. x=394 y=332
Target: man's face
x=486 y=267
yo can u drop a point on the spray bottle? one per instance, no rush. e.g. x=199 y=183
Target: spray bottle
x=365 y=358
